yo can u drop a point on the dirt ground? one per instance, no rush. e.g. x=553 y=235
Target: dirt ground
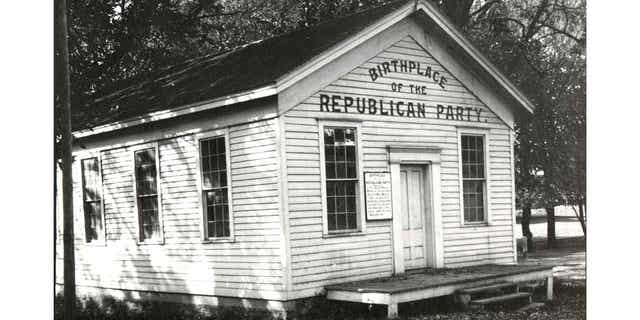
x=569 y=263
x=569 y=292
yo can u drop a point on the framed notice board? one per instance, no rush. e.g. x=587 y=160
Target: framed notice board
x=377 y=190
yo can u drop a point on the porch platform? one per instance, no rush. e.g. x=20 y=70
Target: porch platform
x=430 y=283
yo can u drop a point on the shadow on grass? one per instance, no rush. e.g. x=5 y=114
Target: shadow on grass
x=110 y=308
x=569 y=303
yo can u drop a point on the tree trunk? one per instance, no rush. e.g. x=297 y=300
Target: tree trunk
x=581 y=217
x=63 y=104
x=551 y=227
x=526 y=231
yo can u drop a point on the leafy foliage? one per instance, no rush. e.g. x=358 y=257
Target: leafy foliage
x=539 y=44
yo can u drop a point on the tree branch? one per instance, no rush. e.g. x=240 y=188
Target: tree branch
x=224 y=14
x=563 y=32
x=531 y=30
x=523 y=28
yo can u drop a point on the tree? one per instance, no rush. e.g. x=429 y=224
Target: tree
x=538 y=44
x=62 y=106
x=114 y=43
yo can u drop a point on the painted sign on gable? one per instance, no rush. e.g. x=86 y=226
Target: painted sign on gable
x=402 y=107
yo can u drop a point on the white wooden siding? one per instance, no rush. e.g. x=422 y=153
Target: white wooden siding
x=248 y=267
x=318 y=261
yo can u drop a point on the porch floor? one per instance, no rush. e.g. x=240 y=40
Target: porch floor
x=430 y=283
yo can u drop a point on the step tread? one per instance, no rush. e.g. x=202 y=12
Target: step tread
x=487 y=288
x=505 y=297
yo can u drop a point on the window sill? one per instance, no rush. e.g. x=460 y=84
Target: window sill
x=221 y=240
x=343 y=234
x=475 y=224
x=96 y=244
x=150 y=242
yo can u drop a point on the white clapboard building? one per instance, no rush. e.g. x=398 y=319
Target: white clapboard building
x=359 y=148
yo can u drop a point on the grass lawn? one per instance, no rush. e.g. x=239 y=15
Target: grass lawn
x=569 y=303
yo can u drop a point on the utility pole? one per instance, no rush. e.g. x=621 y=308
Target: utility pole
x=62 y=102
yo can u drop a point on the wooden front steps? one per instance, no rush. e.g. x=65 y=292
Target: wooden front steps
x=490 y=294
x=492 y=287
x=503 y=298
x=481 y=281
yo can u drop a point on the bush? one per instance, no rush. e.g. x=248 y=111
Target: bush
x=110 y=308
x=569 y=303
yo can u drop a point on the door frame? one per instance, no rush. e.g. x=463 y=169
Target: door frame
x=430 y=158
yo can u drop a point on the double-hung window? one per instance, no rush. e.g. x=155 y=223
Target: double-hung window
x=92 y=200
x=474 y=182
x=341 y=176
x=215 y=191
x=147 y=195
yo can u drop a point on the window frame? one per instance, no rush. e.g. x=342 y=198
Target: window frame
x=360 y=210
x=201 y=202
x=102 y=241
x=485 y=134
x=133 y=150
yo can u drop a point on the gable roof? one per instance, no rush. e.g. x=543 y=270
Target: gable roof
x=260 y=69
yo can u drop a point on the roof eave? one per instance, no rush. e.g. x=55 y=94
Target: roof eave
x=262 y=92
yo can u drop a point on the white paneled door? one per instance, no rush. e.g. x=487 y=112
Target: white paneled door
x=414 y=213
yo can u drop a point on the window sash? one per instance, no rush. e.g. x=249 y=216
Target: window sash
x=473 y=200
x=217 y=217
x=341 y=168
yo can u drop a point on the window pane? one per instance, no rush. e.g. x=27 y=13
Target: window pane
x=351 y=204
x=222 y=161
x=339 y=135
x=341 y=223
x=329 y=154
x=340 y=154
x=341 y=204
x=146 y=156
x=329 y=136
x=351 y=220
x=349 y=136
x=341 y=170
x=223 y=179
x=331 y=221
x=330 y=168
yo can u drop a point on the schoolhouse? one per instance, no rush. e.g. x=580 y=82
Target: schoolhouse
x=362 y=147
